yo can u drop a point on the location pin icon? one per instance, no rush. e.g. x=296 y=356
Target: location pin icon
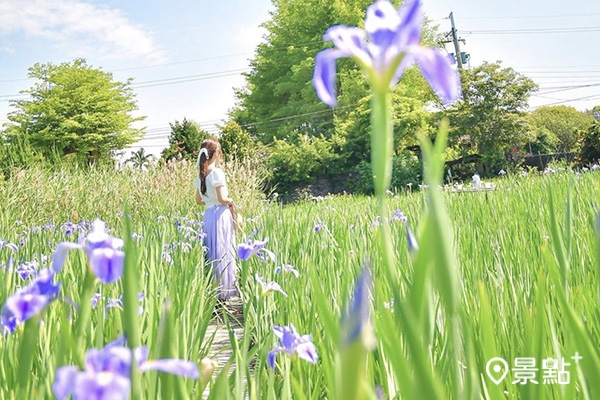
x=497 y=368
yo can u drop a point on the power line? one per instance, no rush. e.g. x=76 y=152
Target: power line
x=278 y=48
x=189 y=78
x=534 y=16
x=533 y=31
x=158 y=82
x=565 y=88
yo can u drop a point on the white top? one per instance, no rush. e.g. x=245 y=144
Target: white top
x=214 y=179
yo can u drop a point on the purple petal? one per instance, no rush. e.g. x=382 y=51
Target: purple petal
x=98 y=236
x=172 y=366
x=276 y=287
x=271 y=358
x=381 y=23
x=107 y=264
x=287 y=268
x=288 y=338
x=140 y=354
x=112 y=358
x=411 y=15
x=10 y=246
x=413 y=246
x=443 y=78
x=350 y=41
x=101 y=386
x=44 y=284
x=245 y=251
x=264 y=253
x=60 y=254
x=121 y=341
x=25 y=305
x=8 y=320
x=64 y=381
x=307 y=351
x=357 y=321
x=324 y=76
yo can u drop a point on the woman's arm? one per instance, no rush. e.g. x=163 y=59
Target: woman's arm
x=222 y=197
x=199 y=198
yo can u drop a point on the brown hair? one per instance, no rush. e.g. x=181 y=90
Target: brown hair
x=212 y=147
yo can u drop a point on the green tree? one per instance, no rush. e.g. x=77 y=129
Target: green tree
x=75 y=110
x=490 y=119
x=590 y=144
x=184 y=140
x=235 y=141
x=279 y=101
x=140 y=159
x=565 y=123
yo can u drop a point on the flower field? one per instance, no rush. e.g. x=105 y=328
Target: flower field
x=324 y=318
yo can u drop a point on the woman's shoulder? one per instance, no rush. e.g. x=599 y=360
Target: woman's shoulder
x=217 y=175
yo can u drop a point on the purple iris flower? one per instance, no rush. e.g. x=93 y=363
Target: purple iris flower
x=27 y=269
x=318 y=226
x=413 y=246
x=356 y=323
x=23 y=305
x=287 y=268
x=96 y=298
x=103 y=251
x=399 y=216
x=268 y=287
x=250 y=247
x=29 y=301
x=292 y=344
x=10 y=246
x=388 y=45
x=106 y=373
x=68 y=228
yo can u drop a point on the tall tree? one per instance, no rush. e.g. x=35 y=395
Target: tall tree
x=235 y=141
x=184 y=140
x=490 y=120
x=566 y=123
x=279 y=100
x=75 y=109
x=140 y=159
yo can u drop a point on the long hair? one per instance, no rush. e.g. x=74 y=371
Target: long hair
x=212 y=147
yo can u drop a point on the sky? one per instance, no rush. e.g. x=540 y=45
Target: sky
x=186 y=56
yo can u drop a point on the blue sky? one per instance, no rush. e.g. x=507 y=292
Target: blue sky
x=186 y=56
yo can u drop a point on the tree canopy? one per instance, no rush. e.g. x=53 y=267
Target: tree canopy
x=75 y=109
x=490 y=119
x=563 y=122
x=184 y=140
x=140 y=159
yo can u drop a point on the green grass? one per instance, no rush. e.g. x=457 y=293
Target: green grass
x=527 y=285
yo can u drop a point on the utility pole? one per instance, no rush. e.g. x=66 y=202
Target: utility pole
x=456 y=45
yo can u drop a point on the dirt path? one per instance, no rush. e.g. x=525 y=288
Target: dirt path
x=220 y=350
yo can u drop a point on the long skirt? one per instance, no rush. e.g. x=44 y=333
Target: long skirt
x=219 y=240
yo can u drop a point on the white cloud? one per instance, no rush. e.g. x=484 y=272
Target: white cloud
x=86 y=27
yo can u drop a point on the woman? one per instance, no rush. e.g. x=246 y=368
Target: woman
x=219 y=232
